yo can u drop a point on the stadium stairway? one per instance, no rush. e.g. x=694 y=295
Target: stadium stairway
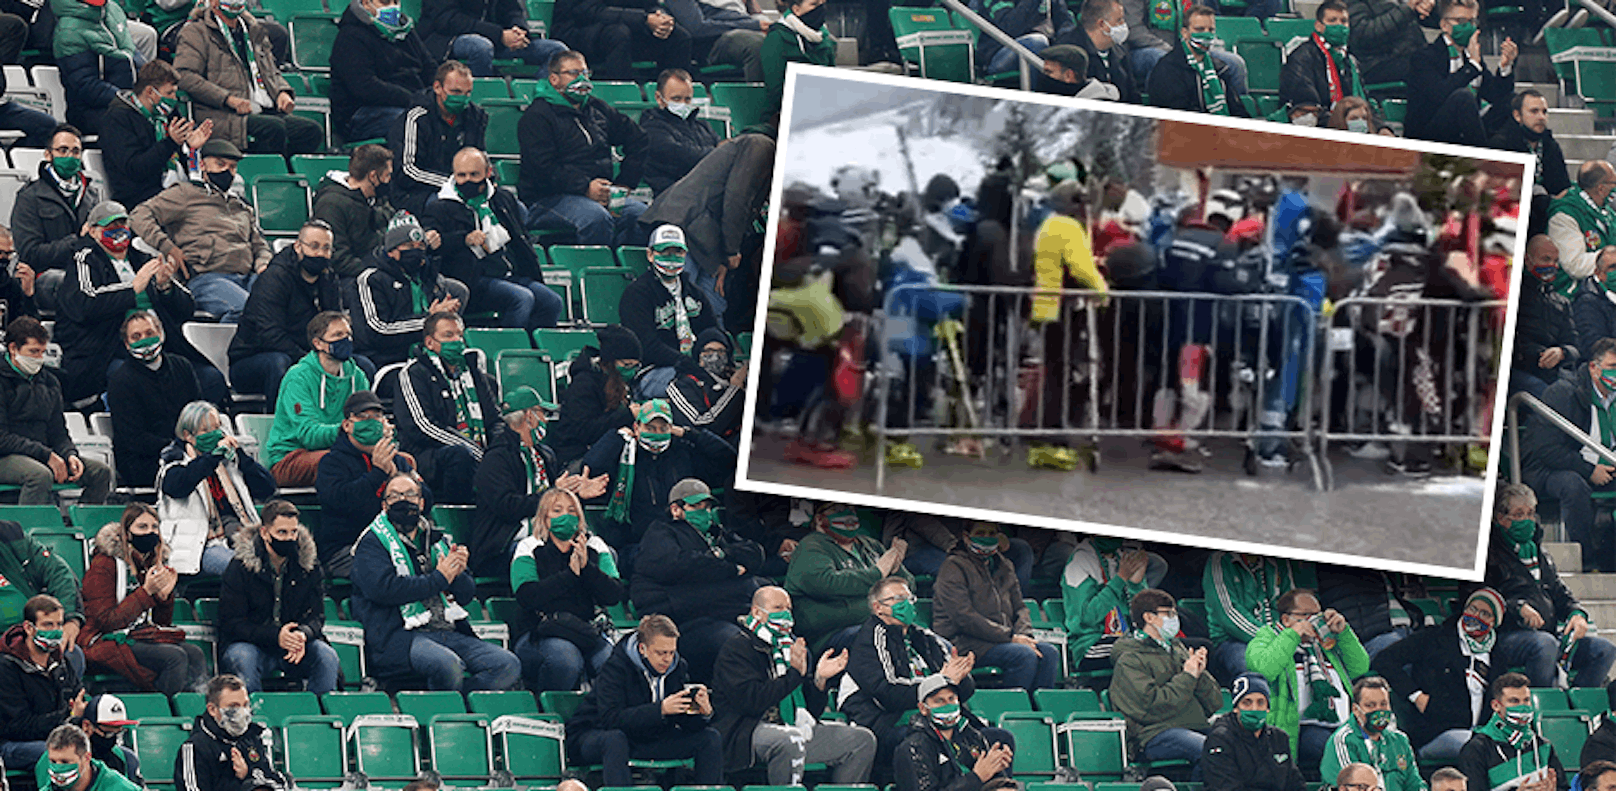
x=1597 y=592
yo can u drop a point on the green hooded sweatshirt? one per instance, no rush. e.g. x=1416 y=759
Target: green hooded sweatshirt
x=308 y=412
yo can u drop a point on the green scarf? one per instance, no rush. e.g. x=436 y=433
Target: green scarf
x=917 y=663
x=1500 y=731
x=538 y=479
x=780 y=658
x=415 y=613
x=419 y=299
x=1315 y=668
x=1525 y=550
x=485 y=213
x=1213 y=98
x=1144 y=637
x=623 y=496
x=468 y=410
x=1565 y=285
x=1595 y=221
x=1607 y=419
x=248 y=58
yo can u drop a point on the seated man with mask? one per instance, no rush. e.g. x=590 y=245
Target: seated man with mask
x=227 y=751
x=68 y=765
x=665 y=313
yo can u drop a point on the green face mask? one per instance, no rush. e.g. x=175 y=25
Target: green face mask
x=1462 y=33
x=1377 y=721
x=563 y=526
x=627 y=371
x=67 y=167
x=456 y=103
x=208 y=441
x=579 y=89
x=904 y=612
x=368 y=432
x=984 y=545
x=1335 y=35
x=1105 y=546
x=453 y=352
x=1521 y=530
x=1522 y=716
x=1202 y=39
x=844 y=523
x=702 y=520
x=1610 y=277
x=945 y=716
x=782 y=621
x=1253 y=720
x=63 y=775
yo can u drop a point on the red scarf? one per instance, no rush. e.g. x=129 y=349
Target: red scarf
x=1335 y=76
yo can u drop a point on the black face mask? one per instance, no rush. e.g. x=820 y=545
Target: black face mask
x=383 y=190
x=284 y=547
x=412 y=260
x=814 y=19
x=471 y=189
x=144 y=544
x=404 y=514
x=313 y=265
x=1043 y=83
x=102 y=745
x=222 y=180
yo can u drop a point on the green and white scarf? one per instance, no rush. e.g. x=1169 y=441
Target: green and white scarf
x=1315 y=672
x=1213 y=98
x=260 y=95
x=681 y=318
x=538 y=478
x=780 y=661
x=618 y=509
x=468 y=410
x=415 y=613
x=1165 y=641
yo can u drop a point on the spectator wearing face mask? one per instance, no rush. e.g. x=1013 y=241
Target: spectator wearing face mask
x=1310 y=657
x=1507 y=751
x=1243 y=752
x=272 y=605
x=1190 y=77
x=442 y=120
x=145 y=138
x=39 y=688
x=800 y=36
x=35 y=449
x=677 y=137
x=105 y=721
x=378 y=63
x=355 y=203
x=666 y=313
x=1370 y=737
x=831 y=572
x=308 y=407
x=206 y=490
x=69 y=765
x=449 y=409
x=715 y=398
x=228 y=68
x=1320 y=72
x=363 y=458
x=297 y=285
x=599 y=393
x=227 y=751
x=399 y=287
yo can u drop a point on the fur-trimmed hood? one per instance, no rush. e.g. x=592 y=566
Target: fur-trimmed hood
x=250 y=549
x=109 y=542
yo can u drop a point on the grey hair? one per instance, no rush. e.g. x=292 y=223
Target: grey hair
x=68 y=736
x=191 y=417
x=1511 y=493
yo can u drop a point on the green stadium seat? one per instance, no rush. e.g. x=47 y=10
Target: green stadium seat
x=531 y=368
x=1594 y=700
x=141 y=705
x=315 y=754
x=283 y=203
x=455 y=520
x=990 y=703
x=312 y=38
x=283 y=10
x=498 y=704
x=272 y=708
x=349 y=705
x=923 y=612
x=333 y=609
x=347 y=638
x=603 y=293
x=257 y=427
x=1566 y=733
x=503 y=118
x=90 y=518
x=182 y=611
x=207 y=609
x=1037 y=752
x=1550 y=699
x=33 y=517
x=252 y=166
x=493 y=340
x=65 y=544
x=560 y=703
x=577 y=258
x=189 y=704
x=743 y=351
x=631 y=257
x=423 y=706
x=1283 y=30
x=160 y=738
x=1193 y=607
x=1055 y=611
x=503 y=609
x=508 y=172
x=531 y=745
x=746 y=102
x=384 y=746
x=561 y=347
x=313 y=167
x=483 y=88
x=929 y=41
x=775 y=788
x=461 y=748
x=1063 y=702
x=1074 y=787
x=1096 y=744
x=849 y=787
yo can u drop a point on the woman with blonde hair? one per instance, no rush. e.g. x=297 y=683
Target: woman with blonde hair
x=564 y=578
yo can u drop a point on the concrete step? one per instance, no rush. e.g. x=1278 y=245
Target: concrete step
x=1568 y=121
x=1583 y=147
x=1591 y=587
x=1567 y=555
x=1602 y=612
x=1550 y=91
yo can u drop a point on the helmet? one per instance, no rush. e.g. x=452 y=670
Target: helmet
x=856 y=185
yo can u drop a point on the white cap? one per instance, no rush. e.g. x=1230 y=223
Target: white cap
x=107 y=710
x=668 y=236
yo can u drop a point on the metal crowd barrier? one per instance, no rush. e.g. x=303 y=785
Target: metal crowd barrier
x=1410 y=371
x=1121 y=367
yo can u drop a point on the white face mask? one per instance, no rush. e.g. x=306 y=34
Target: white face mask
x=1305 y=119
x=681 y=109
x=1119 y=33
x=27 y=365
x=1359 y=125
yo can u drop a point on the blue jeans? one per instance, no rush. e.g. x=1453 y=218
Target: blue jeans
x=216 y=559
x=1227 y=660
x=589 y=220
x=369 y=123
x=319 y=665
x=1310 y=744
x=522 y=302
x=1539 y=652
x=444 y=658
x=555 y=664
x=654 y=382
x=1531 y=380
x=478 y=52
x=21 y=754
x=33 y=123
x=1380 y=642
x=1178 y=744
x=221 y=295
x=262 y=372
x=1144 y=59
x=1005 y=58
x=1024 y=667
x=1445 y=748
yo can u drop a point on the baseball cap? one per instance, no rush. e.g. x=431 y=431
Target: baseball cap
x=107 y=710
x=655 y=408
x=360 y=402
x=523 y=398
x=107 y=212
x=932 y=684
x=666 y=236
x=690 y=491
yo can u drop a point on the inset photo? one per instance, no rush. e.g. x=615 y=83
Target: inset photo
x=1071 y=313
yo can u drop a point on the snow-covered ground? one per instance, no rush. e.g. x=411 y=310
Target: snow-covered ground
x=812 y=155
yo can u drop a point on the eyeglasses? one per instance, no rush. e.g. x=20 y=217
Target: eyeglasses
x=1358 y=787
x=574 y=72
x=895 y=599
x=1167 y=612
x=66 y=151
x=396 y=497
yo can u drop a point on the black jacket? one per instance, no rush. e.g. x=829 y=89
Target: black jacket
x=1362 y=596
x=1430 y=661
x=442 y=20
x=248 y=599
x=386 y=324
x=90 y=307
x=424 y=146
x=1430 y=82
x=370 y=71
x=1548 y=450
x=746 y=692
x=584 y=418
x=45 y=225
x=878 y=663
x=1593 y=313
x=33 y=699
x=204 y=763
x=697 y=454
x=680 y=574
x=357 y=223
x=135 y=156
x=425 y=409
x=31 y=422
x=1384 y=34
x=146 y=405
x=1547 y=593
x=1305 y=78
x=1174 y=83
x=708 y=401
x=453 y=219
x=924 y=762
x=1601 y=746
x=622 y=700
x=379 y=591
x=279 y=308
x=570 y=15
x=1481 y=754
x=675 y=145
x=1545 y=321
x=1235 y=759
x=350 y=489
x=1113 y=69
x=647 y=309
x=557 y=590
x=503 y=502
x=1551 y=165
x=564 y=147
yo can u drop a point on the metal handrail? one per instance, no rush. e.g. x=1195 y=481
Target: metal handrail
x=1556 y=420
x=1024 y=56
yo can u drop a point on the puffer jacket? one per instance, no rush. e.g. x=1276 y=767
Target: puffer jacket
x=249 y=599
x=217 y=231
x=211 y=72
x=110 y=613
x=625 y=698
x=357 y=222
x=977 y=601
x=94 y=52
x=186 y=504
x=1149 y=686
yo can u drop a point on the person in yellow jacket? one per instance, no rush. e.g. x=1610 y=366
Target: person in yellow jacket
x=1063 y=257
